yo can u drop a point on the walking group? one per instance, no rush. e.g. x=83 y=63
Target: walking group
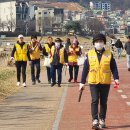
x=98 y=66
x=57 y=54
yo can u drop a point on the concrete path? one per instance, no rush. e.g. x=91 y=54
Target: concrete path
x=32 y=108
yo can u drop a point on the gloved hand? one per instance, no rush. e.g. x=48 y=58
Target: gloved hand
x=66 y=64
x=116 y=83
x=12 y=58
x=81 y=86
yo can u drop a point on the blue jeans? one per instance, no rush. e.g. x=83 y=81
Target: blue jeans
x=33 y=64
x=59 y=72
x=118 y=52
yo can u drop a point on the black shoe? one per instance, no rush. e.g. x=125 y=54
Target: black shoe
x=38 y=81
x=59 y=85
x=70 y=79
x=33 y=83
x=49 y=82
x=53 y=84
x=128 y=69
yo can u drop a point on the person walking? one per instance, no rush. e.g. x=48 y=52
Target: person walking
x=58 y=58
x=98 y=66
x=67 y=44
x=46 y=52
x=118 y=46
x=20 y=54
x=34 y=50
x=73 y=53
x=127 y=48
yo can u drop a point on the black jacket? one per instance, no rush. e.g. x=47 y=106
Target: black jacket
x=127 y=48
x=118 y=44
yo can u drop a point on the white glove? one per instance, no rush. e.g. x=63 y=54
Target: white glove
x=12 y=58
x=81 y=86
x=66 y=64
x=117 y=81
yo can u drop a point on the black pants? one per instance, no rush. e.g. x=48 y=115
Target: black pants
x=99 y=92
x=33 y=64
x=21 y=65
x=48 y=73
x=76 y=70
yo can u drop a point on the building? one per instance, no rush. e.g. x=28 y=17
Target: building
x=49 y=19
x=15 y=14
x=99 y=5
x=7 y=15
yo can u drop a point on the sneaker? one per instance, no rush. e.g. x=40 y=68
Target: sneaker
x=18 y=84
x=59 y=85
x=102 y=123
x=128 y=69
x=75 y=81
x=33 y=83
x=53 y=84
x=38 y=81
x=49 y=82
x=95 y=124
x=24 y=84
x=70 y=79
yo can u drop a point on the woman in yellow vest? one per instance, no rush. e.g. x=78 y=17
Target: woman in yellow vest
x=58 y=58
x=99 y=65
x=46 y=52
x=21 y=54
x=34 y=50
x=73 y=53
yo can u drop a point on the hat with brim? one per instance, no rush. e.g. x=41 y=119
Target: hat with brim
x=20 y=36
x=99 y=37
x=58 y=40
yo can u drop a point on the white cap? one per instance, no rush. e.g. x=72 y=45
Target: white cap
x=19 y=36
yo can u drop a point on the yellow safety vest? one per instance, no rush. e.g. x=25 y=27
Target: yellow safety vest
x=20 y=53
x=99 y=72
x=47 y=48
x=73 y=57
x=35 y=53
x=61 y=54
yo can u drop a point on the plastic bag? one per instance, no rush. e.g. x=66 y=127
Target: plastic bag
x=80 y=60
x=47 y=62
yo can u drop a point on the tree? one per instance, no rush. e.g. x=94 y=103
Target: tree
x=74 y=25
x=68 y=27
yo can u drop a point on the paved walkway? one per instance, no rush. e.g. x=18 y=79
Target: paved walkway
x=32 y=108
x=42 y=107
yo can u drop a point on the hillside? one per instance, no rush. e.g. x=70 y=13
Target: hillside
x=116 y=4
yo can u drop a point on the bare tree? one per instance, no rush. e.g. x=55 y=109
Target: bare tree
x=92 y=25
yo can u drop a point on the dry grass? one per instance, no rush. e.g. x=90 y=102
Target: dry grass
x=7 y=84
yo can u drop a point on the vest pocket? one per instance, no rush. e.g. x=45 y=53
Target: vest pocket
x=92 y=76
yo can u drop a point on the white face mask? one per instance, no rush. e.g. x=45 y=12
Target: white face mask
x=57 y=44
x=99 y=45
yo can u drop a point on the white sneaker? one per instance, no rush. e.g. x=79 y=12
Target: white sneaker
x=95 y=124
x=18 y=84
x=102 y=123
x=24 y=84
